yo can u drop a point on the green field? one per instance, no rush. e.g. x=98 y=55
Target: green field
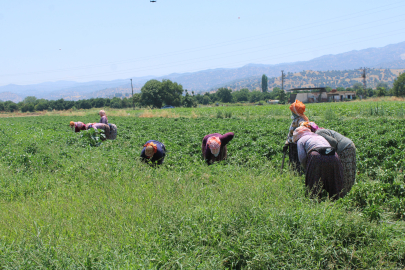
x=65 y=204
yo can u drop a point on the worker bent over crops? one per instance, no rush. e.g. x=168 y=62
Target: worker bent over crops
x=321 y=162
x=153 y=152
x=214 y=146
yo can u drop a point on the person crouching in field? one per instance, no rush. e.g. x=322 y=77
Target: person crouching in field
x=297 y=109
x=321 y=162
x=214 y=146
x=153 y=152
x=345 y=149
x=77 y=126
x=103 y=118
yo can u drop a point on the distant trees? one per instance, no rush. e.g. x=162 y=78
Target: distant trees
x=189 y=101
x=224 y=94
x=399 y=86
x=264 y=83
x=381 y=92
x=241 y=95
x=171 y=93
x=155 y=93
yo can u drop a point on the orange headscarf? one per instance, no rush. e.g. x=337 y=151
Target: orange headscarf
x=150 y=145
x=298 y=108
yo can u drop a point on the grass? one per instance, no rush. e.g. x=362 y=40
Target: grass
x=66 y=205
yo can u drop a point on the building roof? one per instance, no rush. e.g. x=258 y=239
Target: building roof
x=341 y=93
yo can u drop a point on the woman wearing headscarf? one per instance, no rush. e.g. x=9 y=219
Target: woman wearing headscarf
x=297 y=109
x=346 y=150
x=103 y=118
x=77 y=126
x=153 y=152
x=214 y=146
x=321 y=162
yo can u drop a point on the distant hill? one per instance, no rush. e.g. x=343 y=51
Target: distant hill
x=4 y=96
x=309 y=78
x=381 y=61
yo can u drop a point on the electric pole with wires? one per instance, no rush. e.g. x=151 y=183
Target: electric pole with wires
x=364 y=81
x=282 y=80
x=133 y=101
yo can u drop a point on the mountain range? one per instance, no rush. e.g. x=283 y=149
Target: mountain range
x=384 y=65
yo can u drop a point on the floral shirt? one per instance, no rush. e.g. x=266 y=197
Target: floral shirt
x=297 y=120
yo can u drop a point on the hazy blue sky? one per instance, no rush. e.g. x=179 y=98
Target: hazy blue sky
x=105 y=40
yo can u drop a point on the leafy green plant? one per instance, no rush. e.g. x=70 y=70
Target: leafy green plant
x=92 y=137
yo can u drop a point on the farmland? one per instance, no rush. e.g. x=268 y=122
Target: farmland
x=66 y=204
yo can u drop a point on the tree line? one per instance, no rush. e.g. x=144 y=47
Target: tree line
x=155 y=94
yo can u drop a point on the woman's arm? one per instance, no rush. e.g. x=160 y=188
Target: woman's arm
x=226 y=138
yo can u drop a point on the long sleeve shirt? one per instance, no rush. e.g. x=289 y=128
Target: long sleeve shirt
x=336 y=140
x=225 y=139
x=77 y=129
x=157 y=157
x=297 y=120
x=104 y=120
x=95 y=125
x=307 y=143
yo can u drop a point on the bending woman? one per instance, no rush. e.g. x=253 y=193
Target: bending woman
x=322 y=164
x=214 y=146
x=77 y=126
x=346 y=150
x=154 y=152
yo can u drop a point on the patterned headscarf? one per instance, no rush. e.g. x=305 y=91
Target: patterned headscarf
x=311 y=125
x=300 y=132
x=150 y=149
x=79 y=124
x=214 y=144
x=298 y=108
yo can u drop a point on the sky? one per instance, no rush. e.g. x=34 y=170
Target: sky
x=48 y=41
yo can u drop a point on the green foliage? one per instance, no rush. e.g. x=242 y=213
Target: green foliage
x=399 y=86
x=264 y=83
x=206 y=100
x=155 y=93
x=188 y=101
x=224 y=95
x=151 y=94
x=381 y=91
x=67 y=205
x=92 y=137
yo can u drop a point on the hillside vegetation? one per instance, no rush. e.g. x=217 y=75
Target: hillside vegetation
x=309 y=78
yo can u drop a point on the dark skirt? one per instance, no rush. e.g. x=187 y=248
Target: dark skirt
x=293 y=156
x=325 y=172
x=112 y=135
x=348 y=158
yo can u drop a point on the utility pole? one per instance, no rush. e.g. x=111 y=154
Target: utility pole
x=364 y=81
x=282 y=80
x=133 y=101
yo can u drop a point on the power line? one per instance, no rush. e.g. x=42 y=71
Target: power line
x=266 y=35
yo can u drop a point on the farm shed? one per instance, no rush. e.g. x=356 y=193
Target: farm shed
x=309 y=96
x=274 y=101
x=340 y=95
